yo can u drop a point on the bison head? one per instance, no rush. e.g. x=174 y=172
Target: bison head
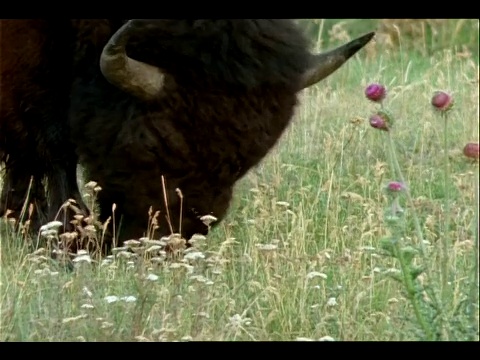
x=197 y=102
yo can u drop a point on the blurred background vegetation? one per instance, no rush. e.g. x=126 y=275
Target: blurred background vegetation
x=425 y=36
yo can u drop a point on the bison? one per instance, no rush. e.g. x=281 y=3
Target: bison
x=196 y=103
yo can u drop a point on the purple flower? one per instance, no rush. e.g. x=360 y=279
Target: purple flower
x=442 y=101
x=395 y=186
x=375 y=92
x=378 y=121
x=471 y=150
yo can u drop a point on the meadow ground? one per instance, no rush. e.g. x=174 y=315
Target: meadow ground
x=309 y=249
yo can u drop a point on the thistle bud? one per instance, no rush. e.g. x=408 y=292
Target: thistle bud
x=375 y=92
x=378 y=121
x=471 y=150
x=395 y=186
x=442 y=101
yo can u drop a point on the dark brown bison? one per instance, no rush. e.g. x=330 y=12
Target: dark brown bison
x=199 y=102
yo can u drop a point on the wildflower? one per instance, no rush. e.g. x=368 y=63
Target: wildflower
x=442 y=101
x=237 y=321
x=375 y=92
x=326 y=338
x=106 y=262
x=42 y=272
x=266 y=247
x=471 y=150
x=53 y=225
x=377 y=121
x=303 y=339
x=154 y=248
x=87 y=292
x=194 y=255
x=83 y=258
x=147 y=241
x=111 y=299
x=315 y=274
x=132 y=243
x=129 y=298
x=366 y=248
x=395 y=186
x=203 y=314
x=106 y=325
x=152 y=277
x=332 y=302
x=196 y=238
x=208 y=219
x=199 y=278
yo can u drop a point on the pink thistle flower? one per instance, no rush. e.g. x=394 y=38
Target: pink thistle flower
x=471 y=150
x=395 y=186
x=442 y=101
x=375 y=92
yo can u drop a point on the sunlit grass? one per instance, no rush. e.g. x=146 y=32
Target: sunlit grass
x=298 y=256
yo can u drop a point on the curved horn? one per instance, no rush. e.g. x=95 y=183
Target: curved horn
x=139 y=79
x=326 y=63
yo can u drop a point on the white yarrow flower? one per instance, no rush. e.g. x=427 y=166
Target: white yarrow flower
x=194 y=255
x=303 y=339
x=111 y=299
x=83 y=258
x=332 y=301
x=52 y=225
x=152 y=277
x=315 y=274
x=326 y=338
x=208 y=219
x=129 y=298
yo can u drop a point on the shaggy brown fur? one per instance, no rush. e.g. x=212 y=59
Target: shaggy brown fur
x=34 y=98
x=230 y=92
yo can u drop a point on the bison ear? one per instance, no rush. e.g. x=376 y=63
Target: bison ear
x=326 y=63
x=134 y=77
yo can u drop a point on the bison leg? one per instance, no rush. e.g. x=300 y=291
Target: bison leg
x=22 y=188
x=62 y=186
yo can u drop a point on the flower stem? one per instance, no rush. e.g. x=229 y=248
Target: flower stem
x=474 y=286
x=445 y=242
x=418 y=228
x=413 y=293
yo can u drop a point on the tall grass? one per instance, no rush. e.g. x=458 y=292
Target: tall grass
x=300 y=254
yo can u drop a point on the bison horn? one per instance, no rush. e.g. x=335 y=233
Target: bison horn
x=326 y=63
x=139 y=79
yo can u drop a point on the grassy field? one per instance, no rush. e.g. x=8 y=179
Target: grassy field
x=309 y=250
